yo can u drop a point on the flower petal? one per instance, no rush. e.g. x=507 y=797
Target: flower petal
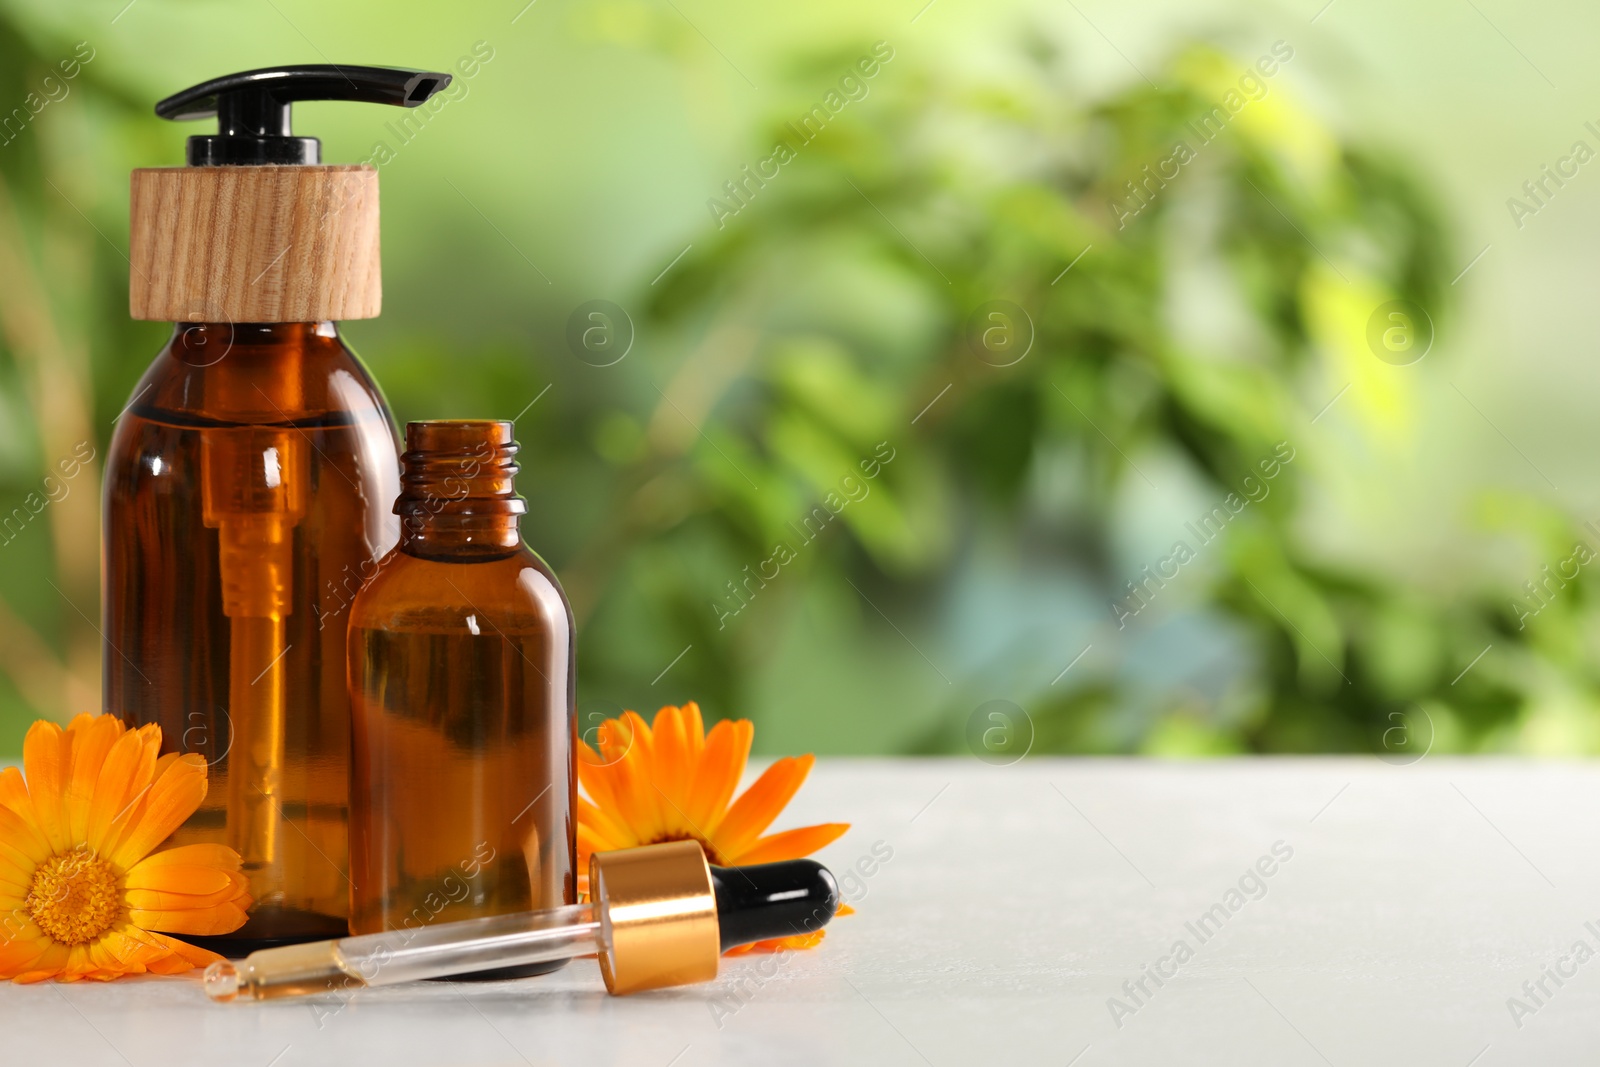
x=184 y=956
x=596 y=766
x=639 y=728
x=79 y=965
x=14 y=886
x=588 y=845
x=124 y=776
x=22 y=944
x=727 y=750
x=48 y=964
x=164 y=882
x=763 y=802
x=172 y=963
x=604 y=828
x=220 y=857
x=177 y=792
x=628 y=785
x=671 y=769
x=592 y=776
x=167 y=900
x=790 y=844
x=217 y=919
x=112 y=957
x=20 y=841
x=615 y=738
x=120 y=951
x=45 y=759
x=642 y=783
x=92 y=738
x=694 y=728
x=14 y=792
x=780 y=944
x=81 y=721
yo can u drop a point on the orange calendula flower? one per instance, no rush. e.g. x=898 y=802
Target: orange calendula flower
x=674 y=782
x=81 y=895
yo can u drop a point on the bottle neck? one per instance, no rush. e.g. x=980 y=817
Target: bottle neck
x=458 y=497
x=250 y=372
x=200 y=344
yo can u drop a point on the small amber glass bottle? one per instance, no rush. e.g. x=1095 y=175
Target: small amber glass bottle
x=461 y=691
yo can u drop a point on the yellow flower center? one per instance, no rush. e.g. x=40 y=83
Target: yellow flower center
x=75 y=897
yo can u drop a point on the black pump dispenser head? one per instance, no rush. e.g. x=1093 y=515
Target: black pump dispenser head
x=252 y=108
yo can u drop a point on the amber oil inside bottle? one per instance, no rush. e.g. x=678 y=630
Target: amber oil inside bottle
x=239 y=519
x=461 y=682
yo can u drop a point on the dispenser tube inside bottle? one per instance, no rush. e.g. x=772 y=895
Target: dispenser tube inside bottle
x=254 y=494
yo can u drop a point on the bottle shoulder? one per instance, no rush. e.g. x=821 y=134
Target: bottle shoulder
x=516 y=592
x=287 y=405
x=220 y=375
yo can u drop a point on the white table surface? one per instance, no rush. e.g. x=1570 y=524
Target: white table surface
x=1018 y=901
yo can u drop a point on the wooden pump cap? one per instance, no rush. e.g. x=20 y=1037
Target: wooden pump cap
x=254 y=244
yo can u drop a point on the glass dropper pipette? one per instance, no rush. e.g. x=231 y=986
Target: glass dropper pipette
x=659 y=916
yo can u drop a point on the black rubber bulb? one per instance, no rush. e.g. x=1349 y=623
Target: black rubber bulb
x=773 y=900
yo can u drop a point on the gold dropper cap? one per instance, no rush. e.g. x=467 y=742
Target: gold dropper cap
x=658 y=911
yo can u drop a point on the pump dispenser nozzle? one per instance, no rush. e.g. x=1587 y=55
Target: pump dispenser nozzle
x=252 y=108
x=659 y=916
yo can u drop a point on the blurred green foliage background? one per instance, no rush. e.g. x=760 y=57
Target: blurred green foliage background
x=1046 y=295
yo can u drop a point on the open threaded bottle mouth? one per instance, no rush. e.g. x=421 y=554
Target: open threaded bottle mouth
x=458 y=485
x=459 y=466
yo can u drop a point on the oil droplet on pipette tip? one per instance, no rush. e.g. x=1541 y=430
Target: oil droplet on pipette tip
x=221 y=981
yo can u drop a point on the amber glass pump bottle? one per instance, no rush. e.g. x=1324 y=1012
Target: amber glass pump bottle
x=249 y=478
x=461 y=682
